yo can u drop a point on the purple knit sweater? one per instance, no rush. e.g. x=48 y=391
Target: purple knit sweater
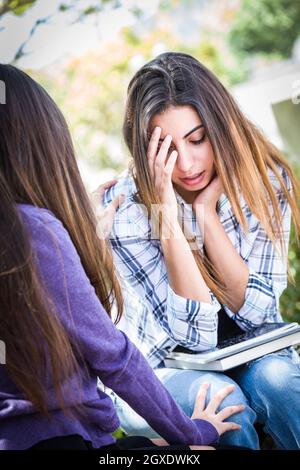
x=108 y=353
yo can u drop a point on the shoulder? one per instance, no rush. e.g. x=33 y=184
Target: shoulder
x=131 y=212
x=34 y=215
x=39 y=217
x=53 y=248
x=45 y=229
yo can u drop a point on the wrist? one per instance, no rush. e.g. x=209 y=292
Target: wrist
x=206 y=216
x=170 y=230
x=210 y=216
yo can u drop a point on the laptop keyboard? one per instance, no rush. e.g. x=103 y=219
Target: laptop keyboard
x=238 y=338
x=249 y=334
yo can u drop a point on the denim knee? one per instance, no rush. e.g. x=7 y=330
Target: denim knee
x=185 y=384
x=277 y=374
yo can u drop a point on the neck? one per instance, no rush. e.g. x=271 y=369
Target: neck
x=188 y=196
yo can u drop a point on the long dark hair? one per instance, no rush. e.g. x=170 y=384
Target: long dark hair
x=240 y=149
x=38 y=167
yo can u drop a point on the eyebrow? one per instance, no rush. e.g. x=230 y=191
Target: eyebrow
x=193 y=130
x=190 y=132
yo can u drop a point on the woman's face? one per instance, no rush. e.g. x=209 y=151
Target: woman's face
x=194 y=167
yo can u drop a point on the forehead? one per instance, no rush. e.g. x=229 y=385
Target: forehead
x=176 y=120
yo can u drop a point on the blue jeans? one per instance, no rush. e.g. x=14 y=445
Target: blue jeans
x=183 y=385
x=269 y=387
x=272 y=387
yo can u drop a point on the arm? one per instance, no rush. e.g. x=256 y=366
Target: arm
x=187 y=282
x=267 y=276
x=178 y=298
x=142 y=263
x=257 y=276
x=106 y=350
x=225 y=258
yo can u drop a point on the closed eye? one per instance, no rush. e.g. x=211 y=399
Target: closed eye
x=197 y=142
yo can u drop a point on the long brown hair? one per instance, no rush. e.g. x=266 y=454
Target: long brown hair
x=242 y=155
x=38 y=167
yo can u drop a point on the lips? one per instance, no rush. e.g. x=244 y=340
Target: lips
x=195 y=179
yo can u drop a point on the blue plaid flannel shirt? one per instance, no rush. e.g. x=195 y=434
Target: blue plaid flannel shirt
x=157 y=319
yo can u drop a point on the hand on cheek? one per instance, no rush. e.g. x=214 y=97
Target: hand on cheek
x=210 y=195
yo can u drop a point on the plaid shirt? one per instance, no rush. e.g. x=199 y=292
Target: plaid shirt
x=156 y=318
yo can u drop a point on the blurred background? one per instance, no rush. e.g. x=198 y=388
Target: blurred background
x=84 y=53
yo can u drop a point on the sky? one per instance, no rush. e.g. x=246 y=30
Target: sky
x=61 y=37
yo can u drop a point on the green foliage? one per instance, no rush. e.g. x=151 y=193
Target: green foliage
x=16 y=7
x=63 y=7
x=119 y=433
x=290 y=299
x=266 y=26
x=227 y=68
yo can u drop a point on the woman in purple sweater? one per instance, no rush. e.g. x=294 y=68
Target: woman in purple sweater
x=57 y=287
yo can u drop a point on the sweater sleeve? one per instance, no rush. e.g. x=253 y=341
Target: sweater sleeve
x=107 y=351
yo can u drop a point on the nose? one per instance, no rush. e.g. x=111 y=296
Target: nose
x=184 y=160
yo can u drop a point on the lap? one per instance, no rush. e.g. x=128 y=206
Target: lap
x=276 y=371
x=184 y=385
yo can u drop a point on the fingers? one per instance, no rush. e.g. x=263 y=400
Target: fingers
x=217 y=183
x=201 y=448
x=97 y=195
x=152 y=148
x=230 y=427
x=200 y=399
x=168 y=170
x=107 y=185
x=157 y=160
x=106 y=216
x=217 y=399
x=229 y=411
x=102 y=188
x=163 y=153
x=159 y=442
x=160 y=162
x=115 y=203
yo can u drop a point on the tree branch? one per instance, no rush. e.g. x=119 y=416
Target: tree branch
x=21 y=50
